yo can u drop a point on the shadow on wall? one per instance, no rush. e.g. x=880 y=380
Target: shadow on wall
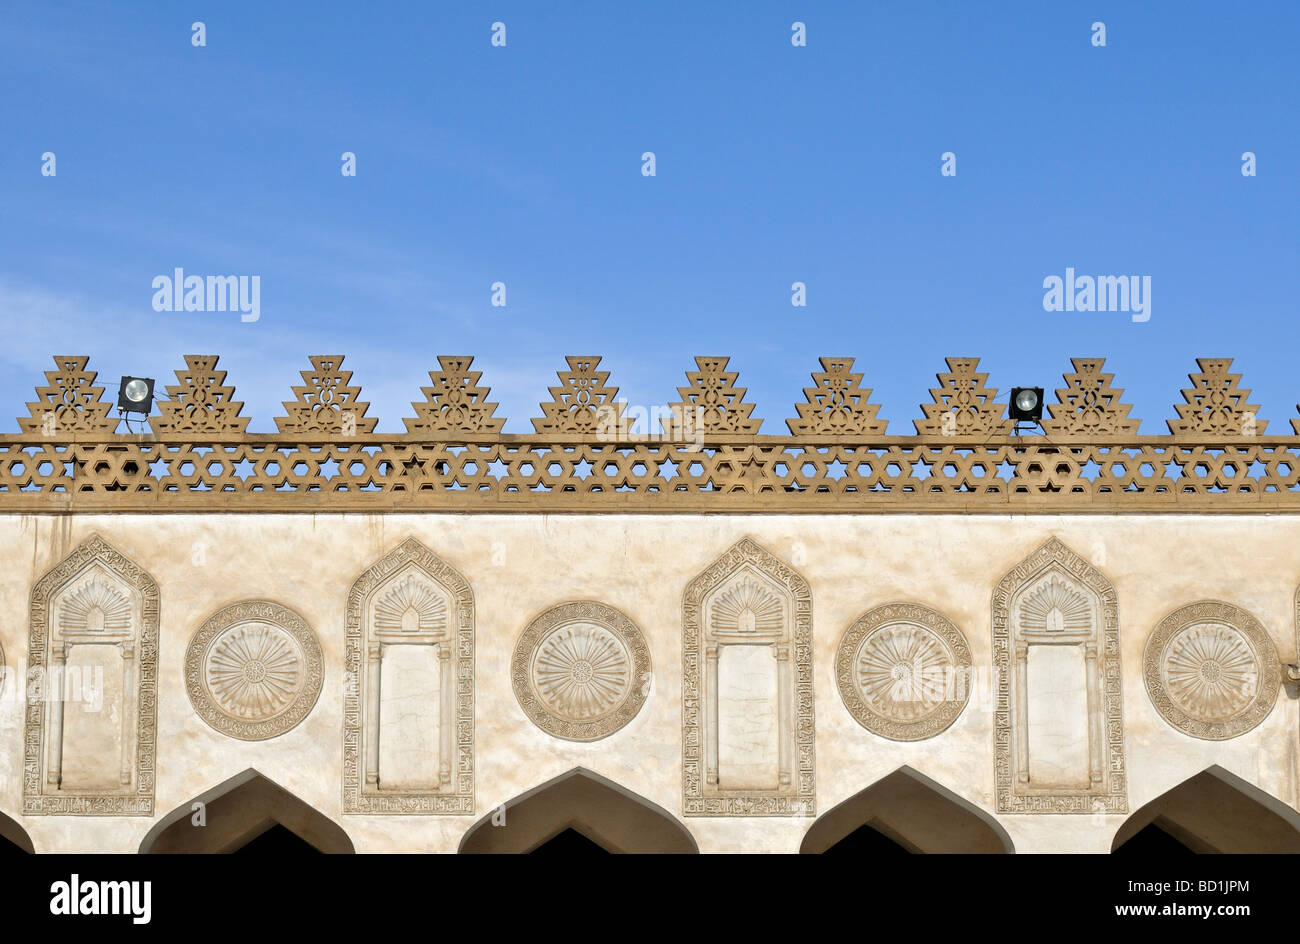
x=13 y=838
x=247 y=813
x=578 y=811
x=1215 y=811
x=906 y=812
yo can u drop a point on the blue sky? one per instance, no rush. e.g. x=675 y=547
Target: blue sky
x=775 y=164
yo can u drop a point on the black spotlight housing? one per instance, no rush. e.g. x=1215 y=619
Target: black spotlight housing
x=1026 y=404
x=135 y=395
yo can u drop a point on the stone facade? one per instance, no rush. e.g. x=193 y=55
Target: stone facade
x=392 y=674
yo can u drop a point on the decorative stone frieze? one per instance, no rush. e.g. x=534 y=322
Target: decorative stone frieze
x=326 y=402
x=582 y=455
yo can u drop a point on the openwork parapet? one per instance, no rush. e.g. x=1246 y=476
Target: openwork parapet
x=586 y=457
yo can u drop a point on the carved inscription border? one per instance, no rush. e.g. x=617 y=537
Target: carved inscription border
x=801 y=800
x=140 y=800
x=459 y=798
x=1112 y=797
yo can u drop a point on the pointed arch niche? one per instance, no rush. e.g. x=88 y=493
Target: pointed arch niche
x=234 y=814
x=1214 y=811
x=1059 y=732
x=605 y=814
x=747 y=706
x=93 y=651
x=408 y=716
x=915 y=813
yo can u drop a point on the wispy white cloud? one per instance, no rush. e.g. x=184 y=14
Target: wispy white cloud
x=262 y=359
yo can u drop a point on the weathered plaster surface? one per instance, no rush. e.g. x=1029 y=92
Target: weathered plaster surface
x=521 y=565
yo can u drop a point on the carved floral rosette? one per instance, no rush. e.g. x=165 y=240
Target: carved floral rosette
x=903 y=671
x=581 y=671
x=1211 y=670
x=254 y=670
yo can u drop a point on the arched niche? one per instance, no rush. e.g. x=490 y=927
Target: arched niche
x=13 y=838
x=599 y=810
x=1214 y=812
x=408 y=707
x=1059 y=727
x=239 y=812
x=747 y=717
x=92 y=697
x=913 y=812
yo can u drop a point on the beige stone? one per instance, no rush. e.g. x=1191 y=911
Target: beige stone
x=519 y=565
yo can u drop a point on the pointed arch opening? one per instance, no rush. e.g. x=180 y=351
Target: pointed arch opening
x=579 y=811
x=13 y=838
x=906 y=812
x=248 y=813
x=1212 y=812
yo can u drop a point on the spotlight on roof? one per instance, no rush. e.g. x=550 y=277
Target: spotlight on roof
x=1026 y=406
x=135 y=395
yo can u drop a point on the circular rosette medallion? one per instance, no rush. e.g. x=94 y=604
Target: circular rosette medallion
x=253 y=670
x=581 y=671
x=1211 y=670
x=904 y=671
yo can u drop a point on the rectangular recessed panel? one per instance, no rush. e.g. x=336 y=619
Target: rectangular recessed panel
x=749 y=719
x=1057 y=683
x=92 y=718
x=409 y=732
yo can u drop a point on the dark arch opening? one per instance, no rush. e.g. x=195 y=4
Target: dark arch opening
x=248 y=814
x=871 y=839
x=13 y=838
x=569 y=842
x=579 y=812
x=1215 y=811
x=906 y=812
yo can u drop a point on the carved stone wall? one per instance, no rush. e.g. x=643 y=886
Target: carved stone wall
x=1059 y=735
x=1211 y=670
x=408 y=716
x=91 y=699
x=522 y=565
x=747 y=702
